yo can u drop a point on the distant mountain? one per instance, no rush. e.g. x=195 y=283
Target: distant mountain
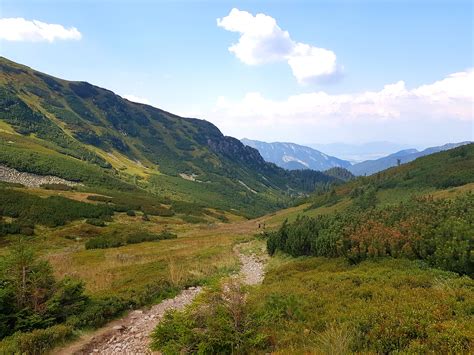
x=356 y=153
x=370 y=167
x=293 y=156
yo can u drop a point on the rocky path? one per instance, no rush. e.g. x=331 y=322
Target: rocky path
x=252 y=267
x=130 y=335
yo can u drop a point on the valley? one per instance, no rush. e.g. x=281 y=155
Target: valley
x=126 y=228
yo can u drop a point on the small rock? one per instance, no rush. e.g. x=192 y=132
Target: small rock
x=119 y=327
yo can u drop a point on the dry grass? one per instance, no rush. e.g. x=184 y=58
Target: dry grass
x=198 y=254
x=454 y=191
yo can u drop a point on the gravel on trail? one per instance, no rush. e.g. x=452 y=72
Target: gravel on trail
x=252 y=269
x=130 y=335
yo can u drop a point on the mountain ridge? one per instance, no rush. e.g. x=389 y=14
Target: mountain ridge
x=133 y=141
x=370 y=167
x=280 y=154
x=294 y=156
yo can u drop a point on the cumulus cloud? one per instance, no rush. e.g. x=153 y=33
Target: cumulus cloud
x=449 y=101
x=138 y=99
x=20 y=29
x=263 y=41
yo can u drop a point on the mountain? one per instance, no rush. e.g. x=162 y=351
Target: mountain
x=84 y=133
x=370 y=167
x=357 y=153
x=293 y=156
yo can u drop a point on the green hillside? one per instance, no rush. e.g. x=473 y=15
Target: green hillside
x=378 y=265
x=401 y=212
x=84 y=133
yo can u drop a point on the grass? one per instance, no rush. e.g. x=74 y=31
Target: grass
x=318 y=304
x=199 y=254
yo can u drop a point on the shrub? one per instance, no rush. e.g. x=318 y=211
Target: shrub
x=38 y=341
x=115 y=240
x=99 y=198
x=51 y=211
x=30 y=297
x=59 y=187
x=157 y=210
x=131 y=213
x=99 y=311
x=95 y=222
x=104 y=242
x=220 y=325
x=438 y=231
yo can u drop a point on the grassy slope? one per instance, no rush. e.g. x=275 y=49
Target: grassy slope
x=442 y=175
x=200 y=253
x=136 y=143
x=326 y=305
x=382 y=305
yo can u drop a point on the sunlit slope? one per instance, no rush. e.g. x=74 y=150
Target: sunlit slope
x=138 y=144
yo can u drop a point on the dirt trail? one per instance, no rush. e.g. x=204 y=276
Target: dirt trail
x=130 y=335
x=252 y=267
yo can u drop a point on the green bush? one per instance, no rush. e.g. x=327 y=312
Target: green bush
x=23 y=157
x=58 y=187
x=104 y=242
x=438 y=231
x=98 y=311
x=39 y=341
x=220 y=325
x=99 y=198
x=51 y=211
x=115 y=240
x=30 y=296
x=96 y=222
x=379 y=306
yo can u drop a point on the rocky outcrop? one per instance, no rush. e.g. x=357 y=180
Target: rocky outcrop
x=31 y=180
x=233 y=149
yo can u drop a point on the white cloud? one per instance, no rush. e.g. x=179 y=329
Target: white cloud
x=445 y=103
x=263 y=41
x=20 y=29
x=140 y=100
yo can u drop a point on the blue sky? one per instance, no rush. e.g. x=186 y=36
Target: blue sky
x=176 y=56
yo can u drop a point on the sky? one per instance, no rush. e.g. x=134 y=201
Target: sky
x=309 y=72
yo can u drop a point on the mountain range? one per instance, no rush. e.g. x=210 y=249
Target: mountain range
x=370 y=167
x=292 y=156
x=356 y=153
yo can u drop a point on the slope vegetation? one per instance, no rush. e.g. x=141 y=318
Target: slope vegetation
x=80 y=132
